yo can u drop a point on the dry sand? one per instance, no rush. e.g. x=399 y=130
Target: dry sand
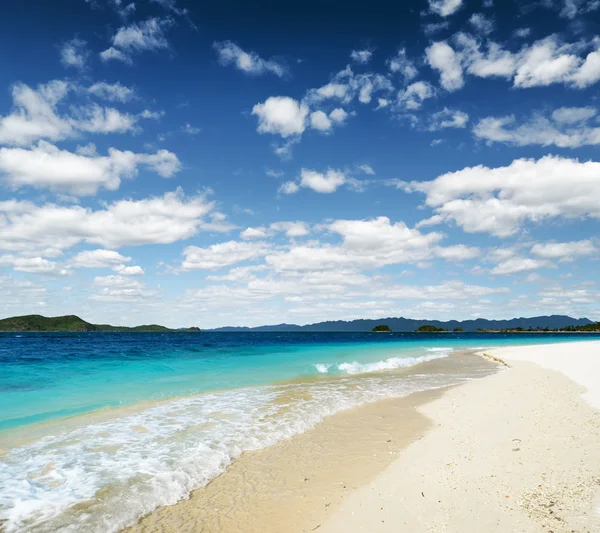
x=518 y=451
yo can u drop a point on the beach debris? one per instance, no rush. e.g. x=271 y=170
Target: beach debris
x=422 y=494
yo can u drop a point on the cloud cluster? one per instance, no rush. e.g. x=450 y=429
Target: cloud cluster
x=501 y=200
x=545 y=62
x=46 y=166
x=49 y=229
x=565 y=127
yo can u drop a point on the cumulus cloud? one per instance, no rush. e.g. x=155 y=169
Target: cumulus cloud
x=403 y=65
x=501 y=200
x=441 y=57
x=249 y=62
x=221 y=255
x=133 y=270
x=136 y=38
x=35 y=115
x=516 y=265
x=114 y=92
x=281 y=115
x=361 y=56
x=565 y=251
x=566 y=127
x=448 y=118
x=291 y=228
x=46 y=166
x=98 y=259
x=545 y=62
x=444 y=8
x=322 y=182
x=49 y=229
x=34 y=265
x=74 y=53
x=415 y=94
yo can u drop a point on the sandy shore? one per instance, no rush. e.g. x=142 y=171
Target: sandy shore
x=518 y=451
x=515 y=451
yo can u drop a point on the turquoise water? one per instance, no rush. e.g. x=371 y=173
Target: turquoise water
x=181 y=408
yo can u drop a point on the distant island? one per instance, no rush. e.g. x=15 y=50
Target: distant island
x=381 y=329
x=72 y=323
x=406 y=325
x=428 y=328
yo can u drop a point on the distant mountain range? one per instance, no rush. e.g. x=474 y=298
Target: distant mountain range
x=408 y=324
x=399 y=324
x=41 y=323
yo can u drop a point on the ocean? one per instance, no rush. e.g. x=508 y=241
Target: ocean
x=98 y=429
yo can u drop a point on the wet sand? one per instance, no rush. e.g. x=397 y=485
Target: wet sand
x=295 y=485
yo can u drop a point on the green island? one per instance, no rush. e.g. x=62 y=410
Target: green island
x=430 y=329
x=39 y=323
x=381 y=329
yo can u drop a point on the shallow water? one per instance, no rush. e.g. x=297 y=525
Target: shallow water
x=159 y=415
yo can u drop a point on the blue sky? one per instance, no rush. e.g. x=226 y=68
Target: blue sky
x=208 y=164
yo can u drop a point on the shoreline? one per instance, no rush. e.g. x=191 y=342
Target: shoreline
x=513 y=451
x=297 y=483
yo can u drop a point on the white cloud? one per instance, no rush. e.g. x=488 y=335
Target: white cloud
x=254 y=233
x=326 y=182
x=361 y=56
x=365 y=244
x=47 y=166
x=249 y=62
x=281 y=115
x=481 y=23
x=444 y=8
x=49 y=229
x=542 y=63
x=289 y=187
x=448 y=118
x=35 y=114
x=114 y=92
x=137 y=37
x=291 y=229
x=338 y=115
x=98 y=259
x=415 y=94
x=457 y=252
x=400 y=63
x=366 y=169
x=566 y=127
x=320 y=121
x=34 y=265
x=572 y=8
x=191 y=130
x=74 y=53
x=516 y=265
x=501 y=200
x=565 y=251
x=133 y=270
x=444 y=59
x=118 y=288
x=221 y=255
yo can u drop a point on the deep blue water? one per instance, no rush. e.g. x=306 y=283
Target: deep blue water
x=51 y=375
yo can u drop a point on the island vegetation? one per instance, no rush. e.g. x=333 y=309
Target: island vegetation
x=428 y=328
x=382 y=329
x=72 y=323
x=458 y=330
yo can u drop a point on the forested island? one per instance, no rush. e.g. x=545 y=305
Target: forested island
x=72 y=323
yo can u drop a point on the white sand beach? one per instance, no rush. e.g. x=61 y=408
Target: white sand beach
x=516 y=451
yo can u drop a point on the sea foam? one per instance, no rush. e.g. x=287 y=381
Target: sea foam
x=103 y=476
